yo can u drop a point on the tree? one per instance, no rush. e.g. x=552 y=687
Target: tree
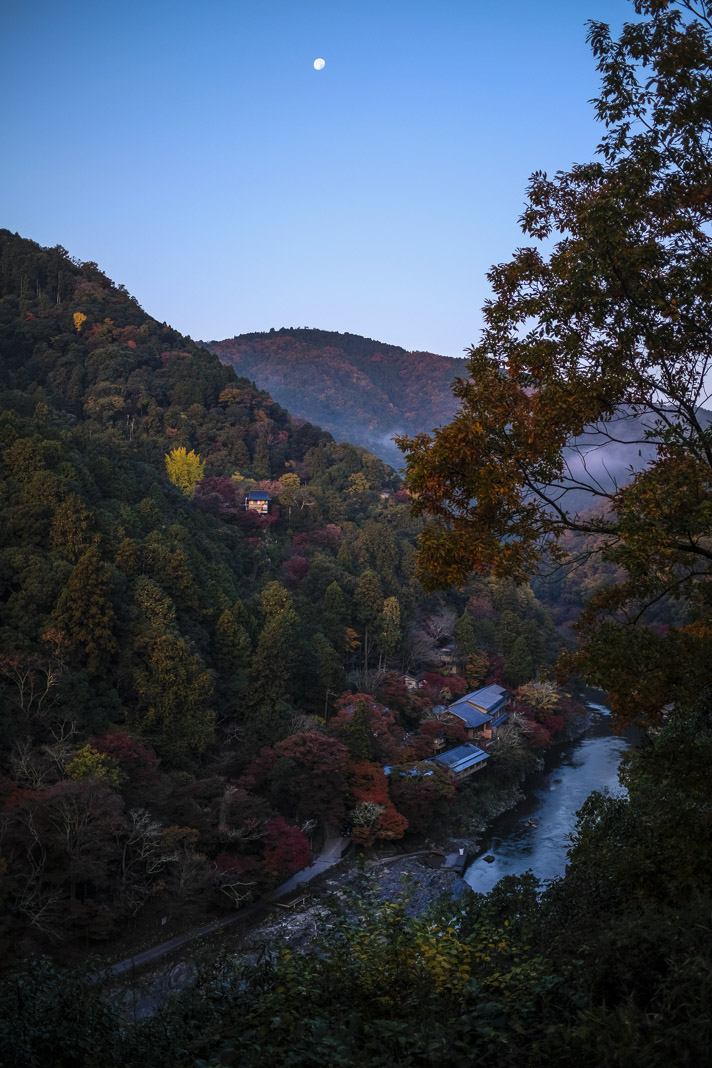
x=368 y=599
x=271 y=675
x=390 y=633
x=137 y=765
x=260 y=459
x=90 y=763
x=421 y=792
x=274 y=599
x=465 y=634
x=374 y=815
x=329 y=669
x=61 y=837
x=187 y=875
x=72 y=528
x=86 y=611
x=288 y=495
x=174 y=693
x=184 y=469
x=519 y=665
x=286 y=850
x=367 y=727
x=595 y=355
x=333 y=619
x=476 y=668
x=358 y=734
x=317 y=780
x=231 y=645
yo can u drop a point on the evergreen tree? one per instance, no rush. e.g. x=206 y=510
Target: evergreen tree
x=330 y=672
x=359 y=736
x=333 y=619
x=72 y=531
x=87 y=613
x=231 y=645
x=509 y=629
x=275 y=598
x=368 y=600
x=271 y=676
x=345 y=556
x=390 y=632
x=174 y=691
x=260 y=460
x=465 y=634
x=519 y=665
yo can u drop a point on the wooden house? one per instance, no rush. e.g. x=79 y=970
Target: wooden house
x=258 y=501
x=413 y=682
x=483 y=711
x=463 y=761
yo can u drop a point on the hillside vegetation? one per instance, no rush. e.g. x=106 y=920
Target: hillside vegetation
x=189 y=687
x=360 y=390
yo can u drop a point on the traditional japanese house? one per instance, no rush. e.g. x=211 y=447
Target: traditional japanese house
x=258 y=501
x=462 y=761
x=413 y=682
x=483 y=711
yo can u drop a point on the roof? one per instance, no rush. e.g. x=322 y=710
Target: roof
x=258 y=495
x=478 y=707
x=461 y=758
x=469 y=715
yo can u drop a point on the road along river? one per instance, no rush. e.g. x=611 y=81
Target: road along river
x=535 y=834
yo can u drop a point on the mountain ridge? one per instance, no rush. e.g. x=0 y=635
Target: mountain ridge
x=360 y=390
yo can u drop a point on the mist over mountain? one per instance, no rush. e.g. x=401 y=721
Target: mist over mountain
x=358 y=389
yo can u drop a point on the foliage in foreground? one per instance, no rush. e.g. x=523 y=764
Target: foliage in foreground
x=595 y=356
x=611 y=965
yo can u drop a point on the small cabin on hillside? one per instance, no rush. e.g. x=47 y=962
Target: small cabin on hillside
x=483 y=711
x=463 y=761
x=447 y=660
x=258 y=501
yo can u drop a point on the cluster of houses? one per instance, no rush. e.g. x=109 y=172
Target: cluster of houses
x=481 y=713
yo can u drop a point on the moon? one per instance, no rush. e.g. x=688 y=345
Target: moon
x=319 y=64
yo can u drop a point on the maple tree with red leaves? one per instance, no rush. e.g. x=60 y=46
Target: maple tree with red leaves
x=305 y=775
x=374 y=816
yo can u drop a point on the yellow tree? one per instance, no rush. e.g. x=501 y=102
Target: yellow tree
x=184 y=469
x=290 y=488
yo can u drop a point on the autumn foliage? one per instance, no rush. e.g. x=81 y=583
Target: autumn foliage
x=374 y=816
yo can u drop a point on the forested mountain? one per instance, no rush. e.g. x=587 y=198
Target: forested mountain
x=186 y=682
x=175 y=717
x=360 y=390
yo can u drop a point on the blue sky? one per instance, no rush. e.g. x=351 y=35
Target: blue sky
x=192 y=150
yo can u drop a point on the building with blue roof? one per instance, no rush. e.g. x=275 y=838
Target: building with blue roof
x=482 y=711
x=258 y=501
x=462 y=761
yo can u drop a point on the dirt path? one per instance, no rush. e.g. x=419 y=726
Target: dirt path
x=331 y=853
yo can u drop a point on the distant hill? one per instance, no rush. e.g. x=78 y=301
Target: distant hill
x=360 y=390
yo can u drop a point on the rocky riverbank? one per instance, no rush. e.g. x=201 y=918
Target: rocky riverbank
x=418 y=877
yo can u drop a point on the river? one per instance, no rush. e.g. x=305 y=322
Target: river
x=535 y=834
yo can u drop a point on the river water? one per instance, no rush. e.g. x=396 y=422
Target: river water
x=535 y=835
